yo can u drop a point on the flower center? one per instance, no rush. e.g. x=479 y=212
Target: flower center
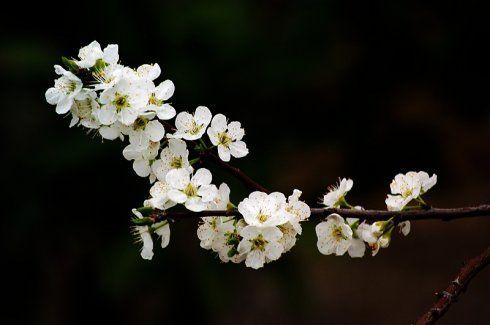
x=224 y=139
x=140 y=123
x=66 y=85
x=195 y=128
x=262 y=217
x=190 y=190
x=120 y=101
x=83 y=107
x=155 y=101
x=258 y=243
x=176 y=162
x=337 y=233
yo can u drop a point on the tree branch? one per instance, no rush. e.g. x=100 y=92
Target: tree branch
x=369 y=215
x=455 y=288
x=244 y=178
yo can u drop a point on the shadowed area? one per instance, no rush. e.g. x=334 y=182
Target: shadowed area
x=324 y=89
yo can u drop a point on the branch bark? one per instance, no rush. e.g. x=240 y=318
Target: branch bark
x=369 y=215
x=244 y=178
x=455 y=288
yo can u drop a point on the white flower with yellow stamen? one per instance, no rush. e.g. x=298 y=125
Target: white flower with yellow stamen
x=227 y=137
x=260 y=244
x=407 y=187
x=212 y=227
x=91 y=53
x=65 y=91
x=123 y=102
x=157 y=100
x=299 y=210
x=83 y=109
x=174 y=156
x=148 y=72
x=192 y=127
x=143 y=235
x=227 y=240
x=264 y=210
x=145 y=129
x=334 y=235
x=194 y=191
x=336 y=196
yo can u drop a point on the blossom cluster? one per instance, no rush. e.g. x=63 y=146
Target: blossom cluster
x=119 y=102
x=337 y=235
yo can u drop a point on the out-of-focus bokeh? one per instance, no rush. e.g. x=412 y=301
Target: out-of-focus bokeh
x=324 y=89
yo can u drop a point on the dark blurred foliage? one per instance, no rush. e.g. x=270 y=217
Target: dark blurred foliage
x=324 y=89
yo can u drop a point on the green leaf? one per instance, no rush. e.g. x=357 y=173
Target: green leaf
x=142 y=222
x=70 y=64
x=145 y=211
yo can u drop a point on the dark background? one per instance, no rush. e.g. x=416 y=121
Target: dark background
x=324 y=89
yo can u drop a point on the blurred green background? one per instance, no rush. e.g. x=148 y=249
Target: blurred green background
x=323 y=88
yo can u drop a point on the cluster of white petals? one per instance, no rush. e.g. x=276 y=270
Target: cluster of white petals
x=408 y=187
x=119 y=102
x=338 y=236
x=335 y=197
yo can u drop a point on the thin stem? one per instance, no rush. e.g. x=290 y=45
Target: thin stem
x=244 y=178
x=457 y=286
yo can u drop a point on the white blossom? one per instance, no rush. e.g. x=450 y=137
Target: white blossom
x=227 y=137
x=159 y=197
x=174 y=156
x=91 y=53
x=397 y=202
x=82 y=110
x=65 y=91
x=407 y=187
x=336 y=195
x=226 y=242
x=107 y=76
x=288 y=239
x=123 y=102
x=157 y=100
x=299 y=211
x=194 y=192
x=142 y=156
x=259 y=244
x=334 y=235
x=143 y=235
x=264 y=210
x=192 y=127
x=145 y=129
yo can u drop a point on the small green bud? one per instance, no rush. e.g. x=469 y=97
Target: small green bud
x=145 y=211
x=232 y=252
x=70 y=64
x=142 y=221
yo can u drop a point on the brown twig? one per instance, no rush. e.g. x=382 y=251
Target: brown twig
x=369 y=215
x=447 y=297
x=244 y=178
